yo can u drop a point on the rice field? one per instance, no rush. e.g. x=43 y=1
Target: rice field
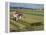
x=33 y=20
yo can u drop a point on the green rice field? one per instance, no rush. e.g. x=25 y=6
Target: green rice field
x=33 y=20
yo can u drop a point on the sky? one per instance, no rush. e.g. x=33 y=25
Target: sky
x=27 y=5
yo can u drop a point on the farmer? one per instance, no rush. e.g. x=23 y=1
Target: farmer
x=15 y=15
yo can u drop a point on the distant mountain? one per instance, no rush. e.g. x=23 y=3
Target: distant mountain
x=19 y=8
x=26 y=8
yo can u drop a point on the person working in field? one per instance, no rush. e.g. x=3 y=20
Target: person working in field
x=17 y=16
